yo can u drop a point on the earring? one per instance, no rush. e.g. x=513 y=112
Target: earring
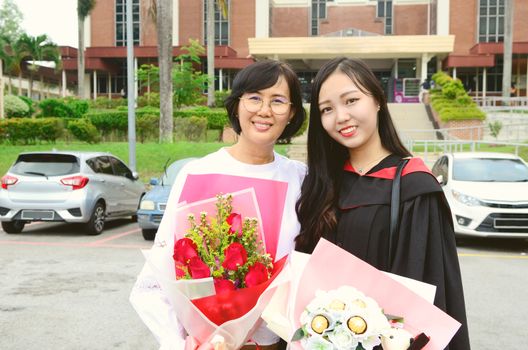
x=379 y=107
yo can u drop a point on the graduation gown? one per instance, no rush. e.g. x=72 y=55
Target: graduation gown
x=424 y=248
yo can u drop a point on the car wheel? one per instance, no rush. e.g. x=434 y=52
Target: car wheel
x=97 y=220
x=13 y=226
x=149 y=235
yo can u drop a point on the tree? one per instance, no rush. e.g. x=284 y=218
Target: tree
x=10 y=19
x=84 y=7
x=222 y=5
x=163 y=16
x=148 y=76
x=188 y=82
x=495 y=128
x=38 y=48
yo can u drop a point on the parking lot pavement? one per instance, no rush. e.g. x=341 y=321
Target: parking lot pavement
x=62 y=289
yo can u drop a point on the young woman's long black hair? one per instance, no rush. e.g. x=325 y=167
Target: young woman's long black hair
x=316 y=207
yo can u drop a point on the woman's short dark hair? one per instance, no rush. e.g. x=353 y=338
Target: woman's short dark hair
x=262 y=75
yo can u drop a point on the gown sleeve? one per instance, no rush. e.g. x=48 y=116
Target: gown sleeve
x=426 y=251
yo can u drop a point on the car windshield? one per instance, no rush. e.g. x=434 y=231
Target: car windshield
x=45 y=165
x=489 y=170
x=172 y=171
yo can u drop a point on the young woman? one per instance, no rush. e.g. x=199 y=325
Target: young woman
x=265 y=105
x=353 y=151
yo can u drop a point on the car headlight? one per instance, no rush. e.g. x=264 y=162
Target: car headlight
x=465 y=199
x=147 y=205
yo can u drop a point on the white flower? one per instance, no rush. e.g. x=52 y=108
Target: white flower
x=317 y=343
x=396 y=339
x=370 y=342
x=343 y=338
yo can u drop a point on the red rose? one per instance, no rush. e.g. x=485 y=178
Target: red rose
x=180 y=269
x=235 y=256
x=235 y=221
x=198 y=268
x=222 y=285
x=257 y=274
x=184 y=250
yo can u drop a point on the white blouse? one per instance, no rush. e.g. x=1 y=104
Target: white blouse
x=149 y=300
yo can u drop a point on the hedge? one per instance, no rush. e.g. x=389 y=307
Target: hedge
x=31 y=131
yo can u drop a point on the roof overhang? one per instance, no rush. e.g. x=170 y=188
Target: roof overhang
x=469 y=61
x=365 y=47
x=519 y=47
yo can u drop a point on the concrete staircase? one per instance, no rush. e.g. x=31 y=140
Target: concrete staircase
x=410 y=120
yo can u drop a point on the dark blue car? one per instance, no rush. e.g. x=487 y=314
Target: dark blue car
x=154 y=202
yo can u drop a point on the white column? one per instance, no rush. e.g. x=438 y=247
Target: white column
x=442 y=17
x=64 y=83
x=221 y=79
x=262 y=10
x=396 y=68
x=477 y=84
x=109 y=86
x=518 y=79
x=94 y=84
x=454 y=72
x=175 y=23
x=484 y=82
x=423 y=71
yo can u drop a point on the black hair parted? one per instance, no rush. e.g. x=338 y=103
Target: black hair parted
x=262 y=75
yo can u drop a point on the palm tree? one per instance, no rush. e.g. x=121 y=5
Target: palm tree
x=39 y=48
x=84 y=7
x=222 y=5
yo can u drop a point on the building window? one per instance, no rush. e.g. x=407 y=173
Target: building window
x=384 y=10
x=491 y=21
x=120 y=22
x=318 y=12
x=221 y=25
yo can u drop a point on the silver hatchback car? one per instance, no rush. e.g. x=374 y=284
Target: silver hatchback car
x=74 y=187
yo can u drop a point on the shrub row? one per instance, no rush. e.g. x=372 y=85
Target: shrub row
x=31 y=131
x=451 y=100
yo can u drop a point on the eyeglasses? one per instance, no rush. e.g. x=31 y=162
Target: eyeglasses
x=254 y=104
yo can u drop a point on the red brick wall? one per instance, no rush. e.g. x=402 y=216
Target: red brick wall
x=463 y=24
x=190 y=21
x=359 y=17
x=289 y=21
x=474 y=133
x=242 y=25
x=410 y=20
x=520 y=21
x=149 y=36
x=102 y=25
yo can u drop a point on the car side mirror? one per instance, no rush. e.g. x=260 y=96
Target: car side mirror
x=154 y=181
x=135 y=175
x=440 y=179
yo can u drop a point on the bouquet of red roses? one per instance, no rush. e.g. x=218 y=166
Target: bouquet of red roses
x=216 y=271
x=226 y=247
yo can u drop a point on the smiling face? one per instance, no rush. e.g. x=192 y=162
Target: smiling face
x=262 y=126
x=348 y=115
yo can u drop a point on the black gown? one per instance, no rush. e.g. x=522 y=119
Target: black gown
x=425 y=248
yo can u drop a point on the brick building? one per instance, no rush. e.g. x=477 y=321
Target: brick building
x=400 y=39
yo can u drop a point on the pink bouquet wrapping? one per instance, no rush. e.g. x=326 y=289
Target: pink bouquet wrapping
x=331 y=275
x=234 y=314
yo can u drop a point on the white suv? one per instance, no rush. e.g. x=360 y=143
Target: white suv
x=82 y=187
x=487 y=193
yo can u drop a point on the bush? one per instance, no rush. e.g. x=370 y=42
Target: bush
x=149 y=99
x=14 y=106
x=85 y=131
x=30 y=104
x=147 y=127
x=29 y=131
x=461 y=113
x=216 y=118
x=191 y=129
x=63 y=108
x=220 y=97
x=107 y=103
x=453 y=89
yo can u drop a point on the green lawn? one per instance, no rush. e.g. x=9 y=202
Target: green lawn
x=150 y=157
